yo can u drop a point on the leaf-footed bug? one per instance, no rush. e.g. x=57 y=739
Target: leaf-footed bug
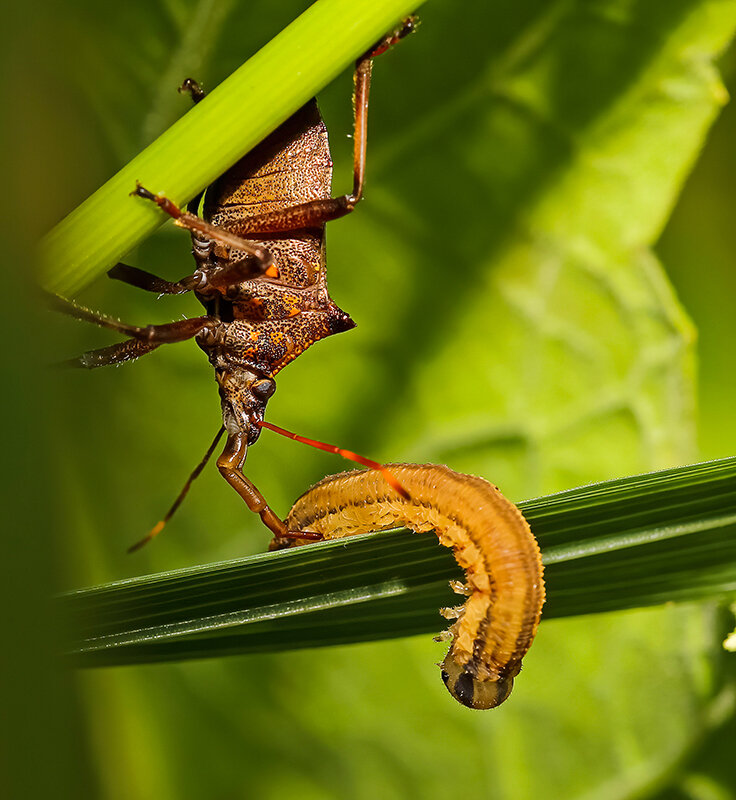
x=260 y=254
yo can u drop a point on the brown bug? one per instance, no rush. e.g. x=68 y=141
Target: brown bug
x=260 y=254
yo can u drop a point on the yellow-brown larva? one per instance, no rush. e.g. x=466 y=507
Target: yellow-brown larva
x=491 y=541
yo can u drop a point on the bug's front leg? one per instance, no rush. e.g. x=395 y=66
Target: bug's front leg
x=192 y=222
x=230 y=464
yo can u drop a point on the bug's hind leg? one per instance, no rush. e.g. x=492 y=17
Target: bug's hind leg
x=118 y=353
x=177 y=331
x=315 y=213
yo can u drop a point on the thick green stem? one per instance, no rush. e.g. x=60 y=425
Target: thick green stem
x=213 y=135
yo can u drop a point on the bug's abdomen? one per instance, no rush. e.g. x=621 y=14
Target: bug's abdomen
x=290 y=167
x=268 y=346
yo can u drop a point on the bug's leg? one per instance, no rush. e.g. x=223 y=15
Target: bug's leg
x=118 y=353
x=317 y=212
x=193 y=89
x=231 y=274
x=197 y=93
x=191 y=222
x=159 y=526
x=230 y=464
x=306 y=215
x=217 y=278
x=141 y=279
x=177 y=331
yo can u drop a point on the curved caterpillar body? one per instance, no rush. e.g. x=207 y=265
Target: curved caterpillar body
x=491 y=541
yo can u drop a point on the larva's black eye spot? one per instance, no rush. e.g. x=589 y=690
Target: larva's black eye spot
x=464 y=689
x=469 y=690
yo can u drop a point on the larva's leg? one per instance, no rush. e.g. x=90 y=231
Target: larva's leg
x=461 y=588
x=177 y=331
x=230 y=464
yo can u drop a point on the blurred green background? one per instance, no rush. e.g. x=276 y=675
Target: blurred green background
x=529 y=210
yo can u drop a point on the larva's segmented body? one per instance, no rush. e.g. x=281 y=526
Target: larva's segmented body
x=491 y=541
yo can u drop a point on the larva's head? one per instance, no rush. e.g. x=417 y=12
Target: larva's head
x=469 y=690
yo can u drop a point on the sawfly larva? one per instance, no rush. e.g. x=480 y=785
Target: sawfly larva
x=491 y=541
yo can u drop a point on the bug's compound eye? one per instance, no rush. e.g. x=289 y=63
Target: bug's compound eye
x=469 y=690
x=264 y=388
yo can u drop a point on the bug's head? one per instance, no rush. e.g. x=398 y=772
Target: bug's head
x=244 y=395
x=471 y=691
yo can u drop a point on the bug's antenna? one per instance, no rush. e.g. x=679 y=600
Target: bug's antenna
x=391 y=479
x=159 y=526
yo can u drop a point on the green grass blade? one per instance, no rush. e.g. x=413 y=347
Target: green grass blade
x=214 y=134
x=632 y=542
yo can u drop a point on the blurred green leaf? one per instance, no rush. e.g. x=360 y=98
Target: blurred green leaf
x=523 y=158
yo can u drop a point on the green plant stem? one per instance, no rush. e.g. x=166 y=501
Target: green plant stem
x=213 y=135
x=632 y=542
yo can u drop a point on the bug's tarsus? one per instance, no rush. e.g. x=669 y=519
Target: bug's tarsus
x=141 y=191
x=401 y=31
x=164 y=203
x=193 y=89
